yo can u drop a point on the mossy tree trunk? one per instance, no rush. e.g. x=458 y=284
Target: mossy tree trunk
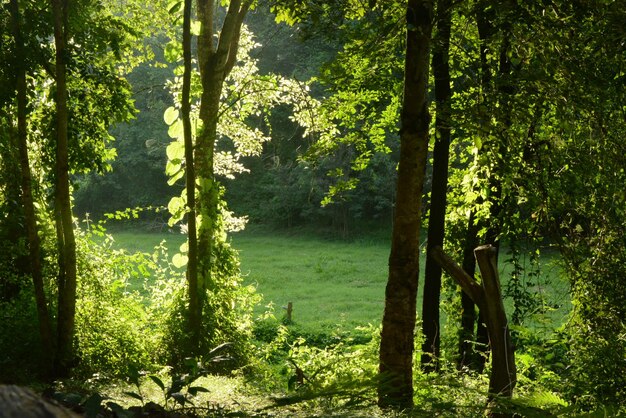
x=63 y=206
x=190 y=178
x=488 y=296
x=437 y=217
x=30 y=218
x=397 y=336
x=215 y=61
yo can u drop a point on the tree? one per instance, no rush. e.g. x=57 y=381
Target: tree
x=195 y=311
x=436 y=224
x=397 y=336
x=30 y=217
x=63 y=205
x=215 y=61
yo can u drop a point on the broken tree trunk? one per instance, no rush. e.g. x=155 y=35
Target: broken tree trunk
x=488 y=297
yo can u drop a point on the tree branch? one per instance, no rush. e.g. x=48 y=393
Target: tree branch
x=467 y=283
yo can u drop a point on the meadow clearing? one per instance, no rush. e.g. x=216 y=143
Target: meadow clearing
x=338 y=285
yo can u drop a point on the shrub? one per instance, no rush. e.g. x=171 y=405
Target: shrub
x=113 y=332
x=227 y=314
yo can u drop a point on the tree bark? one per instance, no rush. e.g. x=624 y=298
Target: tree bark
x=398 y=327
x=30 y=218
x=503 y=373
x=215 y=61
x=468 y=308
x=476 y=356
x=436 y=224
x=67 y=275
x=190 y=181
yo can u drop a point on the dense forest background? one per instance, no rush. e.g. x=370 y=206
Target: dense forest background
x=422 y=128
x=282 y=188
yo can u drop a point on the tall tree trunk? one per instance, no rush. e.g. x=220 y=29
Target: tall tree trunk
x=67 y=275
x=468 y=308
x=45 y=327
x=215 y=62
x=190 y=182
x=397 y=336
x=436 y=224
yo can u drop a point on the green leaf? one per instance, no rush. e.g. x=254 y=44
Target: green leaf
x=179 y=260
x=176 y=176
x=176 y=205
x=177 y=384
x=119 y=410
x=175 y=151
x=170 y=115
x=173 y=168
x=180 y=398
x=195 y=389
x=134 y=395
x=93 y=405
x=158 y=382
x=176 y=129
x=175 y=8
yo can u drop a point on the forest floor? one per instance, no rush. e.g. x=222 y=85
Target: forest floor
x=337 y=288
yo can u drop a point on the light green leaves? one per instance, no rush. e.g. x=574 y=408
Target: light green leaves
x=177 y=207
x=175 y=151
x=170 y=115
x=179 y=260
x=173 y=51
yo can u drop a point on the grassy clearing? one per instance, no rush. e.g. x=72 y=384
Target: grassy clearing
x=330 y=283
x=338 y=285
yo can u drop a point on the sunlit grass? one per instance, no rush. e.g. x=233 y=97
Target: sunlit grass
x=335 y=284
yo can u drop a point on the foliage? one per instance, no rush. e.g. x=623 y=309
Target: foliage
x=542 y=139
x=227 y=318
x=136 y=177
x=180 y=390
x=112 y=324
x=19 y=337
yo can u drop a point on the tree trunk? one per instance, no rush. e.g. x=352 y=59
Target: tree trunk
x=485 y=32
x=30 y=218
x=215 y=62
x=67 y=275
x=503 y=374
x=190 y=181
x=436 y=224
x=467 y=335
x=398 y=327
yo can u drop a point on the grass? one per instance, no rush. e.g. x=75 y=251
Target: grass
x=337 y=284
x=330 y=283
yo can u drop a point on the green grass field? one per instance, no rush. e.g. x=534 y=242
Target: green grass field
x=333 y=284
x=330 y=283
